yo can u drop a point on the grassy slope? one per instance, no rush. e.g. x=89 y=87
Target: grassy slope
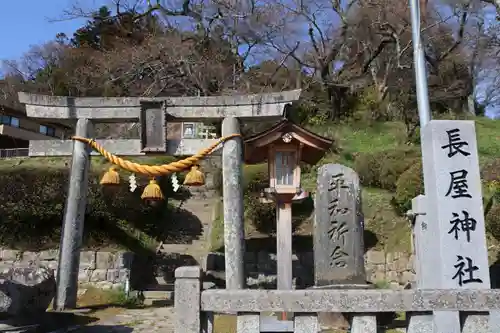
x=392 y=231
x=386 y=136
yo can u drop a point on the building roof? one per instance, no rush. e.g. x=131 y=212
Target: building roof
x=313 y=149
x=21 y=112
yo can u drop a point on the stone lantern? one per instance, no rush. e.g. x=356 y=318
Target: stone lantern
x=284 y=146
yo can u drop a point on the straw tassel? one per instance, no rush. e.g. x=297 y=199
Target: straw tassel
x=152 y=192
x=111 y=177
x=194 y=177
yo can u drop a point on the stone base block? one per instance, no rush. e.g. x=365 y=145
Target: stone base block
x=336 y=320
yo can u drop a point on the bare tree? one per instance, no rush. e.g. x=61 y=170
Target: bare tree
x=165 y=65
x=485 y=66
x=204 y=46
x=321 y=47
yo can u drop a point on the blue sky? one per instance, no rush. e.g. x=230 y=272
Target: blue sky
x=26 y=23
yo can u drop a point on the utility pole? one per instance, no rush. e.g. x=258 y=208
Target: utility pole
x=424 y=111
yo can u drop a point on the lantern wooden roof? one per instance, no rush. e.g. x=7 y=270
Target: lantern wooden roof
x=313 y=146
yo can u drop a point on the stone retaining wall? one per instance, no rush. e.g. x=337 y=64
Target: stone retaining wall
x=101 y=269
x=112 y=269
x=394 y=270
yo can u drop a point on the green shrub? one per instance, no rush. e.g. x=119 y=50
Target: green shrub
x=490 y=172
x=368 y=168
x=255 y=178
x=493 y=222
x=383 y=169
x=262 y=216
x=367 y=108
x=409 y=185
x=491 y=195
x=32 y=207
x=490 y=175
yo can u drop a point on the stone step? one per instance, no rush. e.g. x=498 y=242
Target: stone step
x=158 y=302
x=203 y=209
x=195 y=246
x=177 y=248
x=203 y=213
x=163 y=294
x=160 y=281
x=158 y=294
x=196 y=249
x=197 y=203
x=200 y=238
x=158 y=297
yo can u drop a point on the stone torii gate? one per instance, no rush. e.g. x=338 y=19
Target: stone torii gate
x=153 y=114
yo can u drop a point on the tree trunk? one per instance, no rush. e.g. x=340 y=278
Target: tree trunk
x=335 y=98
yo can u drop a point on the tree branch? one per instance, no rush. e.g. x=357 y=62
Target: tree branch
x=460 y=37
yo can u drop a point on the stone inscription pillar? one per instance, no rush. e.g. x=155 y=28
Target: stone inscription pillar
x=338 y=228
x=338 y=236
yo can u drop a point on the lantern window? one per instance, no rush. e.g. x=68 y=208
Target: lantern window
x=284 y=164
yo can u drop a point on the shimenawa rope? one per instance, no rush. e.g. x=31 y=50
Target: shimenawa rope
x=153 y=170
